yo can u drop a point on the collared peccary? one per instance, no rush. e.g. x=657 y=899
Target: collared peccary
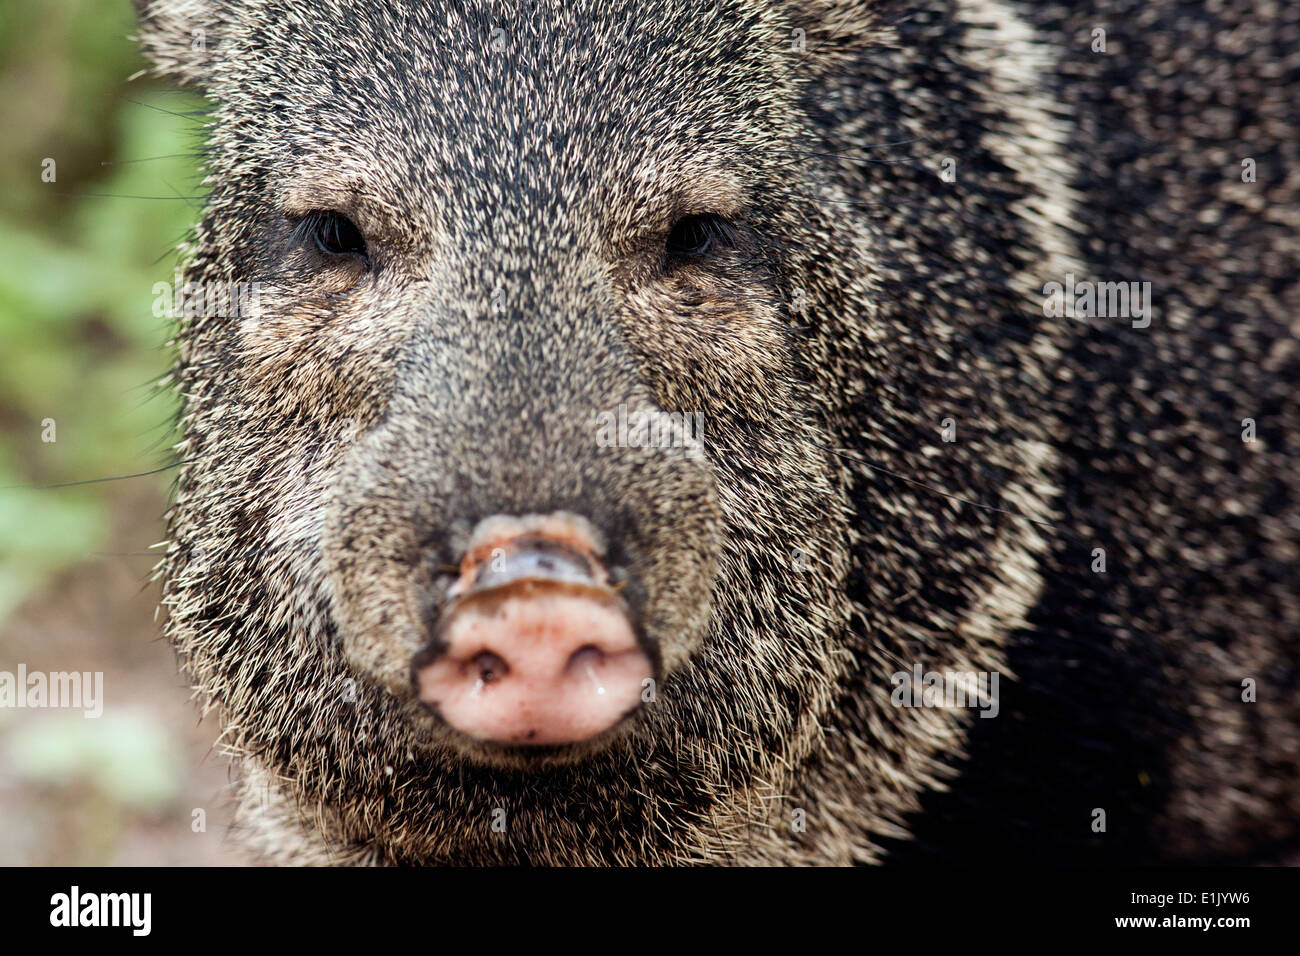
x=651 y=411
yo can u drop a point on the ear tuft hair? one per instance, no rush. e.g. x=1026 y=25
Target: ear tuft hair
x=182 y=38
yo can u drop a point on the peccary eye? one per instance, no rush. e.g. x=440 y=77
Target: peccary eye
x=333 y=233
x=696 y=236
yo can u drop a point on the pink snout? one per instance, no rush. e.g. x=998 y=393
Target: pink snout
x=536 y=648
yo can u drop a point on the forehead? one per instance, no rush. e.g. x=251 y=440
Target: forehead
x=548 y=95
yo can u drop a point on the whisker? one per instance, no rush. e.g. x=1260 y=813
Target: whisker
x=146 y=159
x=96 y=481
x=123 y=196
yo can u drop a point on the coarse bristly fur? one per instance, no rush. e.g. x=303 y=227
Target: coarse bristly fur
x=515 y=170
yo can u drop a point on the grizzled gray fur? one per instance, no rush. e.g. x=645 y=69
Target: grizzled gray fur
x=462 y=211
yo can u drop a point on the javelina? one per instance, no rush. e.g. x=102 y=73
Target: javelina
x=640 y=394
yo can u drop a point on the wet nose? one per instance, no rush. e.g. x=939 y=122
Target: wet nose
x=534 y=646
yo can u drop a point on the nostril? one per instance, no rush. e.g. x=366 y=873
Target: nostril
x=585 y=661
x=587 y=654
x=489 y=667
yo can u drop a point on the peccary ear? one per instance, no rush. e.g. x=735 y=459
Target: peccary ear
x=826 y=30
x=182 y=38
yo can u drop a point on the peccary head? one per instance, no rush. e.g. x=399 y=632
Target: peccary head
x=585 y=272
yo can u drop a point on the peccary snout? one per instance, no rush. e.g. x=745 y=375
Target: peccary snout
x=534 y=646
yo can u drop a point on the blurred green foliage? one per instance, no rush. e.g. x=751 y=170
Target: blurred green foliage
x=78 y=339
x=69 y=748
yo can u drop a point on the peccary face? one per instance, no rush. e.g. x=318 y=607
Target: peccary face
x=571 y=296
x=511 y=275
